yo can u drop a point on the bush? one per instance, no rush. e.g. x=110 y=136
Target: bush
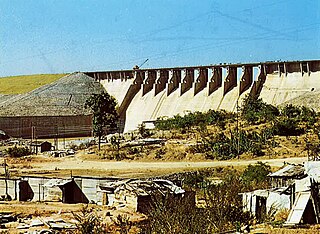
x=89 y=222
x=287 y=127
x=300 y=114
x=18 y=151
x=199 y=119
x=224 y=204
x=256 y=174
x=256 y=111
x=221 y=146
x=143 y=131
x=176 y=217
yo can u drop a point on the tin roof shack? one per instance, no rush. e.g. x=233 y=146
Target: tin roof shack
x=296 y=188
x=280 y=196
x=71 y=193
x=90 y=186
x=42 y=146
x=140 y=195
x=287 y=175
x=68 y=190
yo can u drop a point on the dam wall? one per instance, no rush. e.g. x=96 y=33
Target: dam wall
x=147 y=94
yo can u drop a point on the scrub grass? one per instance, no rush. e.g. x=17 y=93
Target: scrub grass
x=23 y=84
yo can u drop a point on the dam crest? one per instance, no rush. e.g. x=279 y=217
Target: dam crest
x=147 y=94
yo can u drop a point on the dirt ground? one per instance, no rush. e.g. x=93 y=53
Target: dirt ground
x=45 y=165
x=28 y=211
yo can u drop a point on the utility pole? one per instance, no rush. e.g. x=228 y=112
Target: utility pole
x=32 y=129
x=6 y=176
x=238 y=132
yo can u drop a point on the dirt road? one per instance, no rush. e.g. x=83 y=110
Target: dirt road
x=135 y=168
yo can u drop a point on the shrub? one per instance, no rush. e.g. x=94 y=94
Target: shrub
x=89 y=222
x=190 y=119
x=159 y=153
x=122 y=224
x=224 y=204
x=287 y=127
x=256 y=174
x=291 y=111
x=300 y=114
x=18 y=151
x=221 y=146
x=143 y=131
x=176 y=217
x=256 y=111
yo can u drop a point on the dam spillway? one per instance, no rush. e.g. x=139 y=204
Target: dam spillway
x=147 y=94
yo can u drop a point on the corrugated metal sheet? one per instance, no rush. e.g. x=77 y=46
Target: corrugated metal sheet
x=90 y=186
x=278 y=201
x=289 y=171
x=36 y=184
x=313 y=170
x=12 y=188
x=303 y=184
x=298 y=208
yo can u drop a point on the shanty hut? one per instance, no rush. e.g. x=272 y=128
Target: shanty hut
x=42 y=146
x=139 y=195
x=3 y=135
x=287 y=175
x=296 y=188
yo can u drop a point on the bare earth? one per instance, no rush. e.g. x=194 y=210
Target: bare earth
x=63 y=166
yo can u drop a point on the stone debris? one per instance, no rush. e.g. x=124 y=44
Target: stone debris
x=6 y=218
x=36 y=223
x=65 y=96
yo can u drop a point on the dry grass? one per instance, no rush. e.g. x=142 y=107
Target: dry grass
x=37 y=208
x=313 y=229
x=24 y=84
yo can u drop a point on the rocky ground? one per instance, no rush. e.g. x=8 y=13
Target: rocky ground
x=65 y=96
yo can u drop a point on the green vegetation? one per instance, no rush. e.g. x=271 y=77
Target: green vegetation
x=105 y=116
x=222 y=135
x=199 y=119
x=24 y=84
x=221 y=209
x=255 y=111
x=287 y=127
x=18 y=151
x=89 y=222
x=222 y=146
x=256 y=175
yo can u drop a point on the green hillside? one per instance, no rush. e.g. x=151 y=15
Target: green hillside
x=24 y=84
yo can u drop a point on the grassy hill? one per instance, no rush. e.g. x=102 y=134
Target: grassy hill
x=65 y=96
x=24 y=84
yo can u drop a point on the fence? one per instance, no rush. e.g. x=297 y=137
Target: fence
x=47 y=126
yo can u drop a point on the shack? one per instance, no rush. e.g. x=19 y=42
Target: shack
x=70 y=191
x=140 y=195
x=40 y=146
x=3 y=135
x=295 y=188
x=77 y=189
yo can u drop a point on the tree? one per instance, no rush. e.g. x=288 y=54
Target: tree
x=103 y=108
x=256 y=111
x=256 y=175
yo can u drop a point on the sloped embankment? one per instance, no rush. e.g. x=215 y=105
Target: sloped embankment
x=65 y=96
x=310 y=100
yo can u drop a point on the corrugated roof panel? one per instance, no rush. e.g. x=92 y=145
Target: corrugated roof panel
x=298 y=208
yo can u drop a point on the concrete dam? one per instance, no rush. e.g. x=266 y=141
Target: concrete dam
x=147 y=94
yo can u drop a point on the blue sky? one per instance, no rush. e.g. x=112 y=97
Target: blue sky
x=54 y=36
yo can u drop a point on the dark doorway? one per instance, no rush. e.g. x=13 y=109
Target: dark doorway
x=25 y=191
